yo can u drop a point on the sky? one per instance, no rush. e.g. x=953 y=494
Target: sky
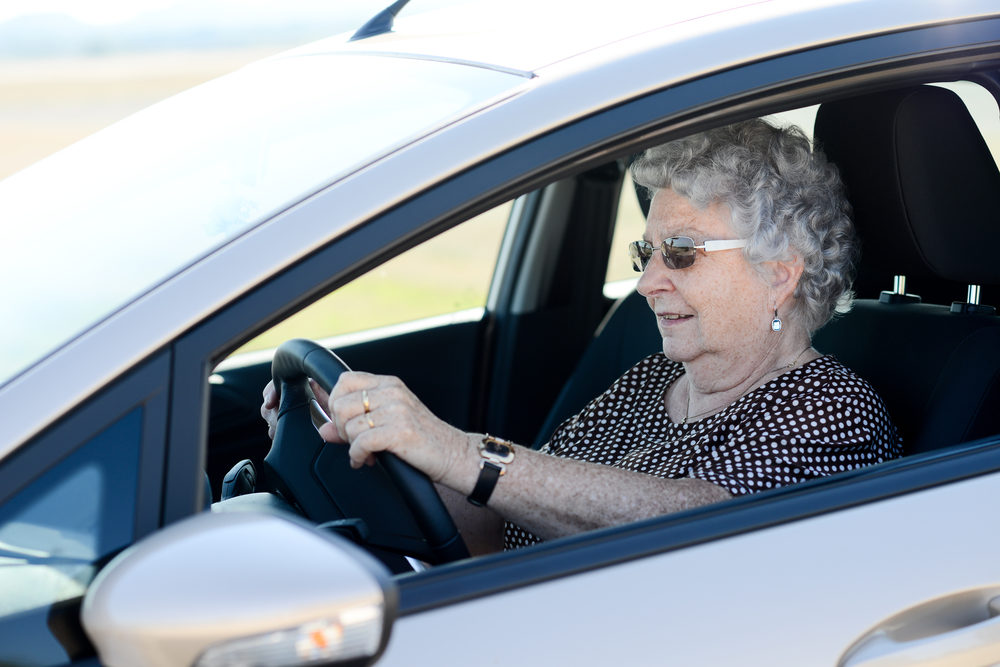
x=93 y=12
x=59 y=28
x=111 y=12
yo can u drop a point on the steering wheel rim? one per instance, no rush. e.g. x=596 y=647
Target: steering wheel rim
x=303 y=471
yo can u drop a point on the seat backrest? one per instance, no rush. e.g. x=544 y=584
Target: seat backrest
x=627 y=334
x=925 y=189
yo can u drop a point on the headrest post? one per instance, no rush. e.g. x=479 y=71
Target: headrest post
x=898 y=294
x=899 y=284
x=973 y=296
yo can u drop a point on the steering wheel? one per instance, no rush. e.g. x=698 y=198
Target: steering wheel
x=390 y=505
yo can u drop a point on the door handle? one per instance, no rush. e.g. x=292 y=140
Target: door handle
x=960 y=629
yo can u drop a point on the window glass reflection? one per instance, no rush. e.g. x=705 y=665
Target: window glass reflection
x=54 y=536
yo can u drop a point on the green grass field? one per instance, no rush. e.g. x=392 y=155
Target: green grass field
x=451 y=272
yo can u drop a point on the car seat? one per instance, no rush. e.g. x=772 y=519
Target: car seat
x=924 y=188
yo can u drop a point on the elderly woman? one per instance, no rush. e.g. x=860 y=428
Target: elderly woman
x=747 y=250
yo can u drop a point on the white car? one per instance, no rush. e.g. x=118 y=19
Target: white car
x=487 y=144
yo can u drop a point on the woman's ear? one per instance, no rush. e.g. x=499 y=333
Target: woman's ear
x=783 y=277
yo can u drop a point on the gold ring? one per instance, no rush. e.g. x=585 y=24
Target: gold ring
x=364 y=402
x=371 y=422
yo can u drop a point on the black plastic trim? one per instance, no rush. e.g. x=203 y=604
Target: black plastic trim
x=184 y=485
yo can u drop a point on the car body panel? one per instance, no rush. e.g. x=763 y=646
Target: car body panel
x=775 y=596
x=555 y=34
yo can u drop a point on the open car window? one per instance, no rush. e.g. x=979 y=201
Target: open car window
x=446 y=275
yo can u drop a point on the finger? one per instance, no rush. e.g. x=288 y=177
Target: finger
x=322 y=397
x=270 y=395
x=269 y=415
x=330 y=433
x=353 y=381
x=364 y=436
x=321 y=403
x=358 y=453
x=364 y=447
x=345 y=408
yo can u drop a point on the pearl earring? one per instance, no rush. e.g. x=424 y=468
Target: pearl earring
x=776 y=322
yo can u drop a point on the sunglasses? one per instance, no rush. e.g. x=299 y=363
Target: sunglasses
x=678 y=251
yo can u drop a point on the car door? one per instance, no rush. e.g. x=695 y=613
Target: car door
x=759 y=584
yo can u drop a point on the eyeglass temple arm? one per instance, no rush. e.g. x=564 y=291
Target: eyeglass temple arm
x=729 y=244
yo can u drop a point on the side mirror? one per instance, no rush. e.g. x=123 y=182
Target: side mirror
x=240 y=589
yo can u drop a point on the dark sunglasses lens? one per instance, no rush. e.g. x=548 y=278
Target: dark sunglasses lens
x=639 y=252
x=678 y=252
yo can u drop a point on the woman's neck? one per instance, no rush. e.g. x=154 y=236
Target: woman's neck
x=714 y=383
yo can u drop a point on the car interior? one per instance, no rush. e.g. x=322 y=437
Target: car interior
x=922 y=183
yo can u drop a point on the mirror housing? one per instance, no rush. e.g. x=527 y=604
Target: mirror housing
x=240 y=588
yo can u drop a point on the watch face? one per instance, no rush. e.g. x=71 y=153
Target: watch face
x=497 y=448
x=497 y=451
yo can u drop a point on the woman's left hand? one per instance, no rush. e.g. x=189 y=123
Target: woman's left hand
x=375 y=413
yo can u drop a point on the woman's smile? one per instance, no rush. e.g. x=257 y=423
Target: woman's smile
x=672 y=319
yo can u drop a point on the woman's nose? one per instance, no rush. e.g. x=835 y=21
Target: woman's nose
x=656 y=277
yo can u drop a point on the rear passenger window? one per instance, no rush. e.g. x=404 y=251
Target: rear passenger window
x=984 y=110
x=630 y=223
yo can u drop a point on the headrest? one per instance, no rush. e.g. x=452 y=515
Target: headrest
x=923 y=185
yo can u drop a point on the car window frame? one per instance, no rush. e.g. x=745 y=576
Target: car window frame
x=147 y=388
x=756 y=88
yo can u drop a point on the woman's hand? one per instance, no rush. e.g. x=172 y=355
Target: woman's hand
x=375 y=413
x=269 y=406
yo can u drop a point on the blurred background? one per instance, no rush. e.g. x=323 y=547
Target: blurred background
x=71 y=67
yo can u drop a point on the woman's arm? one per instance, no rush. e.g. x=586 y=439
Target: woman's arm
x=481 y=528
x=550 y=496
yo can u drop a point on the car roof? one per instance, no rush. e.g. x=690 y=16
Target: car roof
x=545 y=32
x=555 y=31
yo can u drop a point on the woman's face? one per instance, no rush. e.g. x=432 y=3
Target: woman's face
x=718 y=310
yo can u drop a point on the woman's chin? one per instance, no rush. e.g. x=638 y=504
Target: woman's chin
x=673 y=350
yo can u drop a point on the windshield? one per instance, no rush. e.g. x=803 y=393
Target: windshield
x=97 y=224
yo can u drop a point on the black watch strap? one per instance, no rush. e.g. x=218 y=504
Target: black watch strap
x=489 y=473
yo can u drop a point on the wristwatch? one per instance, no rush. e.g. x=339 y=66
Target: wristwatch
x=496 y=454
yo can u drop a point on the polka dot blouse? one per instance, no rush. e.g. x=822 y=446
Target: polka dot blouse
x=815 y=420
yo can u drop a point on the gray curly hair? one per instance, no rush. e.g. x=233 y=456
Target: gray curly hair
x=783 y=196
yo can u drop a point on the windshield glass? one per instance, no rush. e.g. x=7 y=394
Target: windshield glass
x=97 y=224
